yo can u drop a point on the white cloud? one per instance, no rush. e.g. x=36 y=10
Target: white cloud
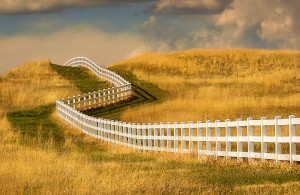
x=275 y=21
x=60 y=46
x=242 y=24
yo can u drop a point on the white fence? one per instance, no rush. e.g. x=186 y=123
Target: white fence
x=209 y=138
x=103 y=97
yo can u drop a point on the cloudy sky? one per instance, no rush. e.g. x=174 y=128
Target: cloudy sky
x=110 y=30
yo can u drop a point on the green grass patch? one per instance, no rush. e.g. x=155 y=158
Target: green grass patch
x=143 y=93
x=81 y=77
x=37 y=127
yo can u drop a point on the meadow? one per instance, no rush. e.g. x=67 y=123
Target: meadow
x=218 y=85
x=40 y=153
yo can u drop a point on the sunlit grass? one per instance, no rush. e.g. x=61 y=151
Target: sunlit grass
x=31 y=85
x=218 y=85
x=41 y=154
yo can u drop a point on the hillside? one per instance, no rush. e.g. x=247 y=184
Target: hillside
x=32 y=85
x=41 y=154
x=218 y=84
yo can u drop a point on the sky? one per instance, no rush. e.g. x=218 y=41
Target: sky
x=107 y=31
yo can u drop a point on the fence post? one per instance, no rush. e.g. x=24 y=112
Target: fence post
x=118 y=96
x=139 y=136
x=263 y=134
x=149 y=136
x=104 y=98
x=90 y=103
x=199 y=135
x=277 y=134
x=175 y=137
x=155 y=137
x=250 y=143
x=144 y=136
x=99 y=98
x=191 y=135
x=162 y=142
x=292 y=134
x=239 y=133
x=168 y=137
x=129 y=135
x=228 y=134
x=122 y=93
x=133 y=130
x=120 y=132
x=79 y=101
x=74 y=101
x=218 y=145
x=183 y=144
x=94 y=98
x=208 y=137
x=125 y=135
x=113 y=94
x=108 y=96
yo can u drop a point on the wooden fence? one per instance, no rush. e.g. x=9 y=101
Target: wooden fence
x=227 y=139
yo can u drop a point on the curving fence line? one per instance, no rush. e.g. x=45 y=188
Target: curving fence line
x=236 y=139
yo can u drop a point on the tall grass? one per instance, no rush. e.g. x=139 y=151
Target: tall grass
x=31 y=85
x=218 y=84
x=41 y=154
x=84 y=165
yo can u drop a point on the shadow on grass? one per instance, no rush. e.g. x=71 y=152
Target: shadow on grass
x=143 y=93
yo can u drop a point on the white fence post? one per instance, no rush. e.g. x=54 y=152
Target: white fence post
x=263 y=134
x=191 y=134
x=208 y=138
x=250 y=142
x=144 y=136
x=149 y=136
x=183 y=144
x=155 y=137
x=228 y=134
x=239 y=146
x=175 y=137
x=217 y=133
x=199 y=135
x=292 y=133
x=168 y=137
x=139 y=136
x=162 y=133
x=277 y=134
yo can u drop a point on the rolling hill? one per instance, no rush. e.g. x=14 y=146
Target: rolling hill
x=42 y=154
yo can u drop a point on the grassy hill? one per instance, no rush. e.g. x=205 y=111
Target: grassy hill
x=218 y=84
x=40 y=153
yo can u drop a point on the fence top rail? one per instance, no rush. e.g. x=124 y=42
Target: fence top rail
x=194 y=125
x=115 y=78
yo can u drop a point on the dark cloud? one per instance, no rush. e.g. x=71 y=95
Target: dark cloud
x=14 y=7
x=190 y=6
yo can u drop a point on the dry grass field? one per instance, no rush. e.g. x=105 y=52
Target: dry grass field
x=31 y=85
x=41 y=154
x=218 y=85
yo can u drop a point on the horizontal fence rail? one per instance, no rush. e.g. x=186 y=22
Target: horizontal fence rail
x=228 y=139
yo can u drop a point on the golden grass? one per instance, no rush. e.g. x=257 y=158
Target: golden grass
x=218 y=84
x=31 y=85
x=41 y=169
x=32 y=170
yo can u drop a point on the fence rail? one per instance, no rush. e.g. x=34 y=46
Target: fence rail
x=208 y=138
